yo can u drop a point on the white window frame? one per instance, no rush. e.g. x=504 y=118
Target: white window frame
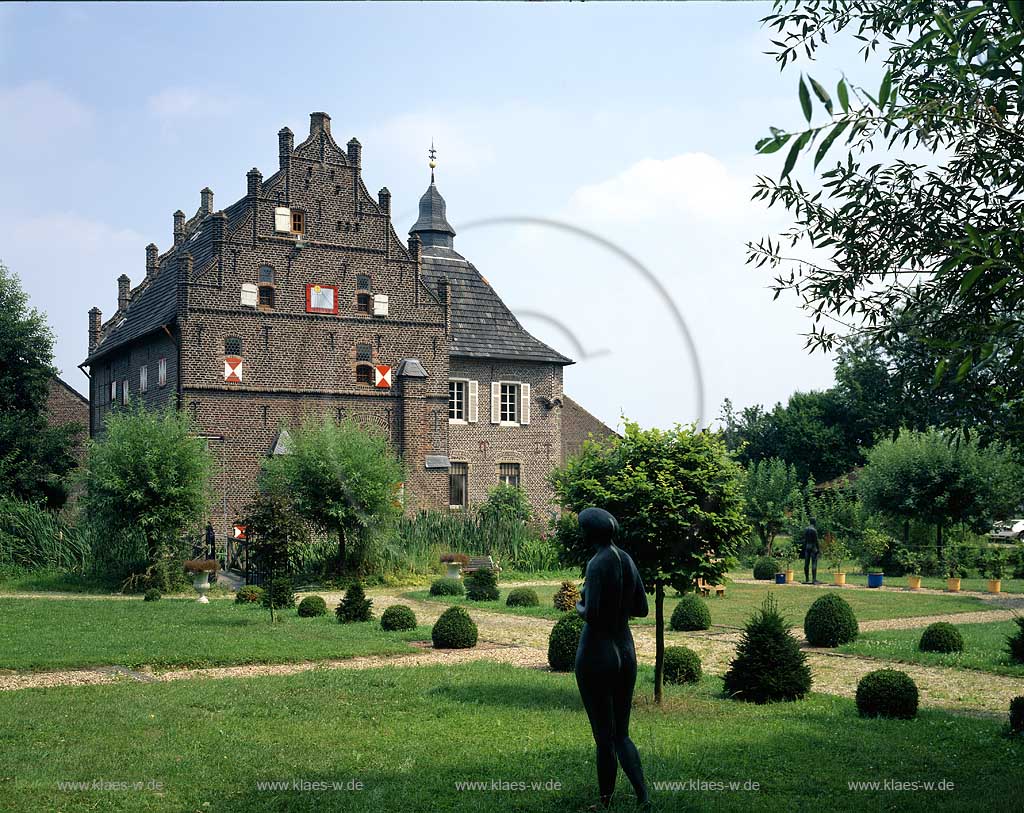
x=522 y=414
x=143 y=378
x=459 y=506
x=124 y=392
x=113 y=390
x=464 y=383
x=161 y=372
x=519 y=472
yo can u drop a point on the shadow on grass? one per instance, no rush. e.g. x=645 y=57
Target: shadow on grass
x=563 y=696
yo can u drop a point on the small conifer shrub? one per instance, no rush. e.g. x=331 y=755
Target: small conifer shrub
x=355 y=606
x=566 y=597
x=482 y=585
x=769 y=665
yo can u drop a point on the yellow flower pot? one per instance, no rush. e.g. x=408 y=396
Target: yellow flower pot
x=953 y=585
x=913 y=582
x=789 y=577
x=995 y=585
x=838 y=579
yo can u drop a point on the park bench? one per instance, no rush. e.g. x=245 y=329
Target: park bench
x=705 y=589
x=480 y=563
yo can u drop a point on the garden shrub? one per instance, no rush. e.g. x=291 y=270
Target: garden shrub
x=564 y=641
x=482 y=585
x=682 y=665
x=830 y=621
x=312 y=607
x=454 y=630
x=152 y=594
x=1017 y=715
x=566 y=597
x=691 y=613
x=355 y=606
x=280 y=591
x=522 y=597
x=768 y=665
x=1015 y=642
x=941 y=637
x=887 y=693
x=447 y=587
x=398 y=617
x=249 y=594
x=765 y=568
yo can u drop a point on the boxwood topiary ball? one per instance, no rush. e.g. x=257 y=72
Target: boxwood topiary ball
x=398 y=617
x=682 y=665
x=887 y=693
x=564 y=641
x=765 y=568
x=830 y=621
x=447 y=587
x=522 y=597
x=454 y=630
x=941 y=637
x=691 y=613
x=152 y=594
x=312 y=606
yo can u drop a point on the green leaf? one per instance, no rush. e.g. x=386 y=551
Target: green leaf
x=970 y=278
x=940 y=371
x=942 y=21
x=805 y=99
x=885 y=89
x=1017 y=11
x=772 y=144
x=823 y=147
x=793 y=153
x=844 y=96
x=963 y=369
x=821 y=93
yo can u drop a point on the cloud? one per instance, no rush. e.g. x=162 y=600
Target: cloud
x=693 y=185
x=37 y=115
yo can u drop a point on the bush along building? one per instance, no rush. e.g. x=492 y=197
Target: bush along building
x=300 y=299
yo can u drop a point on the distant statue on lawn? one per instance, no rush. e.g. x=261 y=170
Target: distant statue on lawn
x=211 y=542
x=606 y=658
x=809 y=552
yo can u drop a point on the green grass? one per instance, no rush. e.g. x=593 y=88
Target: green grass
x=59 y=633
x=55 y=581
x=975 y=584
x=408 y=735
x=742 y=599
x=984 y=648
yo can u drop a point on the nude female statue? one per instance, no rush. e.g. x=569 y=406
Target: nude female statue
x=606 y=658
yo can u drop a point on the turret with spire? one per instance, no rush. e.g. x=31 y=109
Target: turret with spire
x=433 y=227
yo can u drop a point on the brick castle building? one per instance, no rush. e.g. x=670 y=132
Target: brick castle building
x=300 y=299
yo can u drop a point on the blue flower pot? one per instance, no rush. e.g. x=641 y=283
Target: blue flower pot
x=875 y=579
x=780 y=578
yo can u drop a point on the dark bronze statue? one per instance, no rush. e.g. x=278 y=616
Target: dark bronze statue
x=606 y=658
x=809 y=552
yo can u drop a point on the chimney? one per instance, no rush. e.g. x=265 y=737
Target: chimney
x=218 y=226
x=124 y=286
x=319 y=122
x=415 y=247
x=95 y=320
x=184 y=276
x=254 y=182
x=285 y=145
x=152 y=260
x=206 y=200
x=179 y=227
x=355 y=152
x=384 y=199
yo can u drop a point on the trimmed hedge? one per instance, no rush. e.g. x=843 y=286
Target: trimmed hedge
x=830 y=621
x=941 y=637
x=887 y=693
x=682 y=665
x=522 y=597
x=564 y=641
x=454 y=630
x=249 y=594
x=398 y=617
x=691 y=613
x=482 y=585
x=765 y=569
x=447 y=587
x=152 y=594
x=312 y=607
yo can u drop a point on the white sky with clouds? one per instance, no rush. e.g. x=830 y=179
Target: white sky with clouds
x=635 y=122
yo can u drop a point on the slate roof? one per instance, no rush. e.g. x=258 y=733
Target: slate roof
x=482 y=325
x=432 y=213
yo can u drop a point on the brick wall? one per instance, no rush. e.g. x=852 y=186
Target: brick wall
x=577 y=426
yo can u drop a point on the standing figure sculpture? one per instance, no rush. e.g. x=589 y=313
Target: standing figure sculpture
x=606 y=658
x=810 y=550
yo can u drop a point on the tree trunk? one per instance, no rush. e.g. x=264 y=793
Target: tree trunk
x=659 y=639
x=341 y=551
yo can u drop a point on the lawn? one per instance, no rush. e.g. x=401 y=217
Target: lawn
x=975 y=584
x=58 y=633
x=400 y=739
x=984 y=648
x=741 y=600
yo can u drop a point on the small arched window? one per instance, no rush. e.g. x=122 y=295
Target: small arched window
x=362 y=282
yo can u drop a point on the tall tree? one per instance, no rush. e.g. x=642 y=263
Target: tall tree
x=771 y=492
x=35 y=458
x=677 y=495
x=342 y=479
x=924 y=244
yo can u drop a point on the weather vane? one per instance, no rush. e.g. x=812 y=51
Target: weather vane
x=433 y=160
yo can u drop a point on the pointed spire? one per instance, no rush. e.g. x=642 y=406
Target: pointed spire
x=433 y=159
x=432 y=226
